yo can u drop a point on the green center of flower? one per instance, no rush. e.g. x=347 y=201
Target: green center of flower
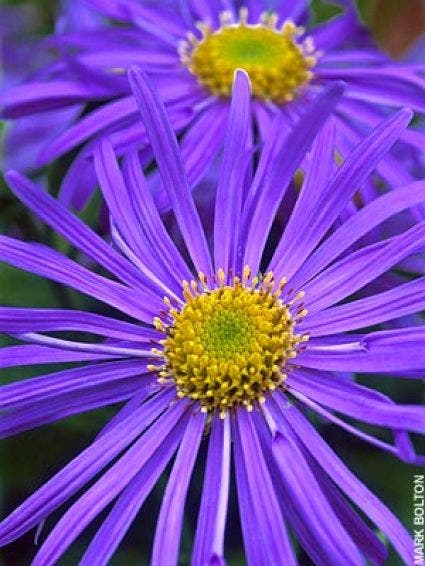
x=227 y=332
x=277 y=64
x=229 y=345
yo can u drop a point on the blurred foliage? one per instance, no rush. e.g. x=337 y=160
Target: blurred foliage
x=30 y=459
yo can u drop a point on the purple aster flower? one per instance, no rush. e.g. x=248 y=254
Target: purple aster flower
x=190 y=50
x=242 y=345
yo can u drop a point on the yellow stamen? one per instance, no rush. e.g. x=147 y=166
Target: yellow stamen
x=229 y=345
x=278 y=65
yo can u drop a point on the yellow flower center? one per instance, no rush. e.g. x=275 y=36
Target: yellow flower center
x=229 y=345
x=277 y=64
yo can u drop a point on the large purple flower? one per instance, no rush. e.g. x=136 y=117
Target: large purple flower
x=192 y=66
x=240 y=347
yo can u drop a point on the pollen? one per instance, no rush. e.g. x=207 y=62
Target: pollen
x=230 y=344
x=278 y=64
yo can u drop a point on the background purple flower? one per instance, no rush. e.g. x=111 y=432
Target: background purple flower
x=90 y=71
x=126 y=459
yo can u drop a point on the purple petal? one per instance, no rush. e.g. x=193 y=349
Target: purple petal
x=166 y=151
x=261 y=208
x=391 y=169
x=386 y=351
x=116 y=524
x=260 y=512
x=121 y=208
x=73 y=229
x=36 y=96
x=113 y=348
x=32 y=133
x=354 y=400
x=372 y=85
x=23 y=355
x=299 y=238
x=132 y=11
x=402 y=300
x=130 y=406
x=165 y=547
x=355 y=270
x=362 y=535
x=198 y=150
x=331 y=34
x=349 y=484
x=228 y=200
x=112 y=482
x=150 y=218
x=403 y=449
x=35 y=415
x=315 y=512
x=290 y=10
x=52 y=265
x=209 y=538
x=20 y=320
x=88 y=126
x=359 y=224
x=80 y=470
x=45 y=386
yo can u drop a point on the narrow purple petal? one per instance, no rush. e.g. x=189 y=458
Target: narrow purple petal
x=150 y=218
x=88 y=126
x=403 y=448
x=319 y=167
x=44 y=261
x=300 y=238
x=116 y=524
x=400 y=301
x=355 y=270
x=266 y=517
x=209 y=538
x=359 y=224
x=165 y=547
x=166 y=151
x=354 y=400
x=20 y=320
x=116 y=349
x=198 y=151
x=37 y=414
x=391 y=86
x=260 y=209
x=73 y=229
x=391 y=169
x=366 y=540
x=112 y=482
x=316 y=513
x=23 y=355
x=252 y=535
x=130 y=406
x=80 y=470
x=133 y=11
x=122 y=211
x=45 y=386
x=228 y=200
x=26 y=99
x=386 y=351
x=349 y=483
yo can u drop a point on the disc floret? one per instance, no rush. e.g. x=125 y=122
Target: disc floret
x=277 y=63
x=230 y=344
